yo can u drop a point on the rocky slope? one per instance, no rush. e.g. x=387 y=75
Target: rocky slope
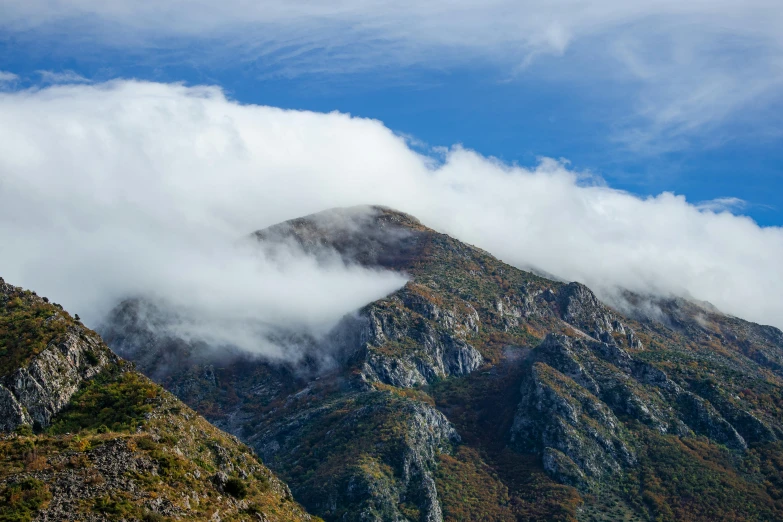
x=483 y=392
x=85 y=437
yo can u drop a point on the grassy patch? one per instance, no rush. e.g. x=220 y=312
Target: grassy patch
x=117 y=401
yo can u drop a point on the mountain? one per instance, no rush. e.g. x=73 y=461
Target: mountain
x=479 y=391
x=83 y=436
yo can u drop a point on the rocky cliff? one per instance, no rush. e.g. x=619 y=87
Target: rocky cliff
x=39 y=382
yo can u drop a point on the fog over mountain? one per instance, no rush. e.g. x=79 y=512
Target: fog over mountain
x=132 y=188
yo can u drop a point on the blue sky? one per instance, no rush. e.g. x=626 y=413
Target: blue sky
x=587 y=87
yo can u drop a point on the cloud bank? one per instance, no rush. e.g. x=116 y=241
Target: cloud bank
x=681 y=67
x=132 y=188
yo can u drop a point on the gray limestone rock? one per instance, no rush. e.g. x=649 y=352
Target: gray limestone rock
x=556 y=412
x=36 y=392
x=407 y=341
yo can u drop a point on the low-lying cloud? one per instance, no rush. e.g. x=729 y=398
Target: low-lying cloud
x=271 y=299
x=132 y=188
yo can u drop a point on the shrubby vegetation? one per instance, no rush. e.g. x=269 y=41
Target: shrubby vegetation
x=27 y=325
x=497 y=481
x=20 y=500
x=236 y=488
x=470 y=490
x=694 y=479
x=115 y=401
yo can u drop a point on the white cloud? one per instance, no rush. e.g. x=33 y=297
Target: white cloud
x=8 y=77
x=722 y=204
x=683 y=66
x=89 y=215
x=132 y=187
x=62 y=77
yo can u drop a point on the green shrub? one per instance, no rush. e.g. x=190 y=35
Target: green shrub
x=167 y=464
x=91 y=358
x=146 y=443
x=21 y=500
x=236 y=488
x=117 y=505
x=24 y=430
x=262 y=482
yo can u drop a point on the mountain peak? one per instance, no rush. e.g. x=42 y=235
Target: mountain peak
x=369 y=235
x=362 y=215
x=353 y=219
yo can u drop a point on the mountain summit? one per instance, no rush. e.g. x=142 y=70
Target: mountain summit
x=479 y=391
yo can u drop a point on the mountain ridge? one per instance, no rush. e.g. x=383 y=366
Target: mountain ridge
x=583 y=393
x=83 y=436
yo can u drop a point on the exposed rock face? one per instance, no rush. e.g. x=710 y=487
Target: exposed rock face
x=428 y=433
x=557 y=414
x=408 y=341
x=703 y=418
x=749 y=427
x=43 y=384
x=12 y=413
x=560 y=467
x=576 y=388
x=402 y=440
x=609 y=372
x=579 y=307
x=36 y=393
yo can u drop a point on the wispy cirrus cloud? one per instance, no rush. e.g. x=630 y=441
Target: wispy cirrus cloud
x=62 y=77
x=722 y=204
x=680 y=68
x=8 y=77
